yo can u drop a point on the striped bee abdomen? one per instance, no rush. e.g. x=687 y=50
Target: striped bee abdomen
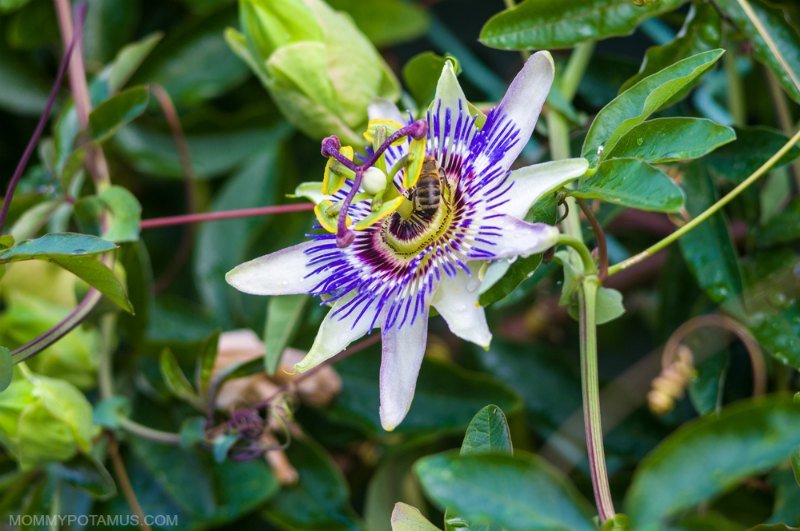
x=427 y=195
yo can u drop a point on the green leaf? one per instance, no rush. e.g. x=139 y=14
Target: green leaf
x=109 y=26
x=284 y=316
x=408 y=518
x=608 y=306
x=671 y=139
x=745 y=439
x=784 y=227
x=124 y=214
x=108 y=117
x=548 y=24
x=776 y=41
x=86 y=472
x=618 y=522
x=222 y=445
x=319 y=500
x=213 y=154
x=6 y=368
x=7 y=6
x=176 y=380
x=200 y=492
x=701 y=32
x=108 y=412
x=633 y=106
x=194 y=63
x=386 y=22
x=224 y=244
x=208 y=358
x=75 y=253
x=23 y=91
x=446 y=396
x=515 y=492
x=421 y=74
x=708 y=249
x=193 y=431
x=487 y=433
x=128 y=61
x=632 y=183
x=57 y=245
x=752 y=148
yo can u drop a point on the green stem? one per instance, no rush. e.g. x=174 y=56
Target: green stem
x=736 y=104
x=583 y=252
x=713 y=209
x=558 y=128
x=587 y=298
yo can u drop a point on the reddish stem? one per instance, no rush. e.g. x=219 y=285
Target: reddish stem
x=227 y=214
x=37 y=133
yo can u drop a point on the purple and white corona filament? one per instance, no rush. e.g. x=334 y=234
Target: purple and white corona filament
x=394 y=270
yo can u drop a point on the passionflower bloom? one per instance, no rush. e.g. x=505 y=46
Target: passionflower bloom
x=394 y=266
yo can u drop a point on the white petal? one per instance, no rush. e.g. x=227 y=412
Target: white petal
x=403 y=350
x=494 y=273
x=456 y=299
x=284 y=272
x=383 y=109
x=450 y=99
x=523 y=102
x=336 y=333
x=533 y=182
x=520 y=238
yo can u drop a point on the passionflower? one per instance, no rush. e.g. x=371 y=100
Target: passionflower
x=432 y=247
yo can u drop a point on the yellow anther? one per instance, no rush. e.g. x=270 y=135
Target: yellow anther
x=329 y=217
x=336 y=173
x=389 y=127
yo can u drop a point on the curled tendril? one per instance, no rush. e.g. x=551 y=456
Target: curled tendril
x=330 y=147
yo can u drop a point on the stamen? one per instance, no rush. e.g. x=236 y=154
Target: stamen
x=330 y=148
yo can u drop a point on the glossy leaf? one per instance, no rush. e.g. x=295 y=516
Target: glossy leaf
x=283 y=319
x=108 y=117
x=199 y=491
x=745 y=439
x=57 y=245
x=487 y=433
x=446 y=396
x=77 y=254
x=632 y=183
x=319 y=500
x=488 y=488
x=708 y=249
x=701 y=32
x=776 y=41
x=633 y=106
x=547 y=24
x=671 y=139
x=752 y=148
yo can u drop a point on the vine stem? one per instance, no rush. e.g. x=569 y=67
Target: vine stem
x=587 y=298
x=226 y=214
x=710 y=211
x=37 y=132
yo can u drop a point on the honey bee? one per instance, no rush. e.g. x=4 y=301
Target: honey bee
x=427 y=195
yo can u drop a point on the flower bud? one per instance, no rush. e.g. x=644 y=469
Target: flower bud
x=374 y=181
x=43 y=419
x=73 y=358
x=320 y=70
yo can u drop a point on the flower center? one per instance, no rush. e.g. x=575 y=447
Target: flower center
x=407 y=238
